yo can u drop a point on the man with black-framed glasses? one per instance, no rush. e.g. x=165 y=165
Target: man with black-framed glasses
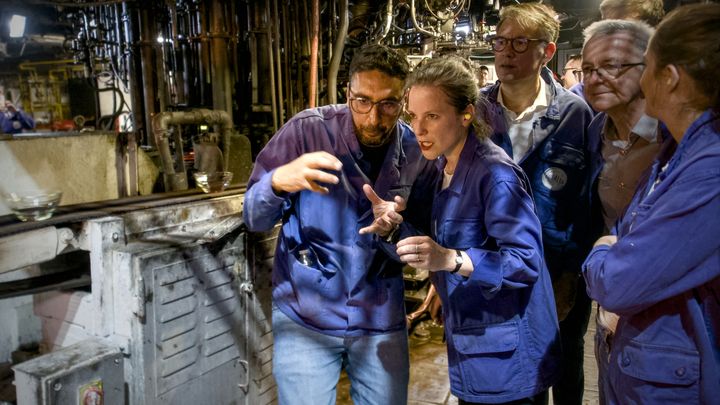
x=543 y=127
x=337 y=296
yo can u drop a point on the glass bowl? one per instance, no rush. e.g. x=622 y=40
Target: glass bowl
x=212 y=182
x=33 y=205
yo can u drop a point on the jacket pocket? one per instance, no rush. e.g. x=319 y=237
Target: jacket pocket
x=464 y=233
x=488 y=360
x=310 y=280
x=659 y=374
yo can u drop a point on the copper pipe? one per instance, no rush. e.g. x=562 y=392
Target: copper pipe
x=312 y=83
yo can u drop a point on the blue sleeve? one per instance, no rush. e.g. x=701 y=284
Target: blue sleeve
x=417 y=216
x=672 y=247
x=25 y=120
x=262 y=207
x=511 y=222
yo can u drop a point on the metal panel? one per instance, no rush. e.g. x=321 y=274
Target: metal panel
x=190 y=347
x=87 y=372
x=261 y=250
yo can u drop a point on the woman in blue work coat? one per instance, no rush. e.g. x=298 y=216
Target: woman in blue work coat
x=484 y=251
x=660 y=271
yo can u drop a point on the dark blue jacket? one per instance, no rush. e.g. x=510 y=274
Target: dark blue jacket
x=663 y=278
x=560 y=172
x=326 y=276
x=501 y=326
x=14 y=123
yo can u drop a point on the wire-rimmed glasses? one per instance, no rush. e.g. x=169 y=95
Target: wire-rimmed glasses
x=609 y=70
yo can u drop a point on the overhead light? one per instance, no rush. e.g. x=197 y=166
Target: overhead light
x=17 y=26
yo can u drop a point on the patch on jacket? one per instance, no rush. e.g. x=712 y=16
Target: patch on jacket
x=554 y=178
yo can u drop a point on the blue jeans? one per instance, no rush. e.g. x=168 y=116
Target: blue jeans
x=307 y=365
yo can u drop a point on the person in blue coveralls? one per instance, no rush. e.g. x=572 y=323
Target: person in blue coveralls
x=337 y=297
x=543 y=128
x=629 y=140
x=660 y=270
x=13 y=120
x=484 y=250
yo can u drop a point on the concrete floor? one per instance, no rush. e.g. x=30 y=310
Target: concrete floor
x=429 y=383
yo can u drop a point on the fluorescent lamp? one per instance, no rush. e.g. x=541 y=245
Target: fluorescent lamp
x=17 y=26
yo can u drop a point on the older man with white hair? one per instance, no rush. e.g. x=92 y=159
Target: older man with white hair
x=629 y=140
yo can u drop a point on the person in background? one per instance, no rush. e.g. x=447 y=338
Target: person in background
x=660 y=270
x=612 y=66
x=13 y=120
x=543 y=127
x=337 y=298
x=484 y=250
x=484 y=76
x=648 y=11
x=572 y=73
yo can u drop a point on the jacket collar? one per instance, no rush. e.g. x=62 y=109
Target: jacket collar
x=553 y=109
x=465 y=162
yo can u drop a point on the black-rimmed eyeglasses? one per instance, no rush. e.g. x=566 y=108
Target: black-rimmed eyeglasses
x=519 y=44
x=609 y=70
x=362 y=105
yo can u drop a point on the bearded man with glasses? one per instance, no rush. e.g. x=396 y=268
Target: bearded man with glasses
x=337 y=296
x=543 y=127
x=628 y=139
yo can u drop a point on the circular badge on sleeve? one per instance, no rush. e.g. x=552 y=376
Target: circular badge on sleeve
x=554 y=178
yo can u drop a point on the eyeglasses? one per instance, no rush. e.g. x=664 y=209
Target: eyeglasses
x=609 y=70
x=362 y=105
x=519 y=44
x=578 y=73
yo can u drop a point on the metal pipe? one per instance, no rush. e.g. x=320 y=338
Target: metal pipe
x=312 y=82
x=388 y=20
x=337 y=52
x=286 y=66
x=134 y=82
x=219 y=63
x=146 y=67
x=161 y=132
x=271 y=60
x=414 y=20
x=278 y=63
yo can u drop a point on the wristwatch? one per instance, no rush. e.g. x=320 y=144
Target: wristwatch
x=458 y=261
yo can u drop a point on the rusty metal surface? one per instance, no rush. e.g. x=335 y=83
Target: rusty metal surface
x=67 y=215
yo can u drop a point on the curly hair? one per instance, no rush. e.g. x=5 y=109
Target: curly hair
x=382 y=58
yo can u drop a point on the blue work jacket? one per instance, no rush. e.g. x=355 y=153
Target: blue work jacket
x=500 y=322
x=326 y=276
x=14 y=123
x=663 y=278
x=560 y=172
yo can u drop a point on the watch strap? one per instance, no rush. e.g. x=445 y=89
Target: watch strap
x=458 y=261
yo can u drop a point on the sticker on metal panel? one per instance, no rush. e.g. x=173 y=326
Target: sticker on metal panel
x=91 y=393
x=554 y=178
